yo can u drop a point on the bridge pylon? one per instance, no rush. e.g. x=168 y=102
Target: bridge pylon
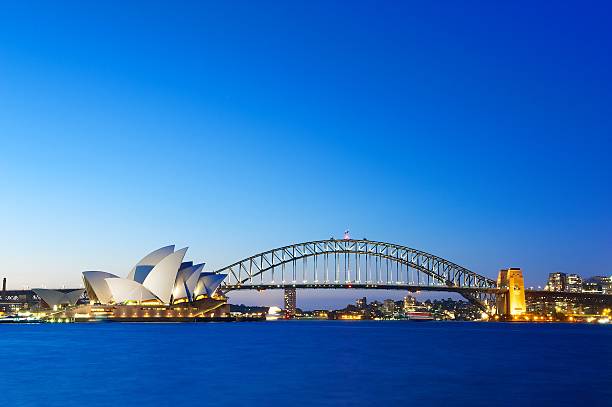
x=511 y=300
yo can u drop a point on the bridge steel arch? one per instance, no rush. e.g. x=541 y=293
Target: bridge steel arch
x=357 y=264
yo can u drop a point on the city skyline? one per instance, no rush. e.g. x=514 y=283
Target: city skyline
x=305 y=200
x=237 y=131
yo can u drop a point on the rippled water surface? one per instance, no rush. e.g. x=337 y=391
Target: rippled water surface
x=305 y=363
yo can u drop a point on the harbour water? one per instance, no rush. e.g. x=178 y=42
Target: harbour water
x=330 y=363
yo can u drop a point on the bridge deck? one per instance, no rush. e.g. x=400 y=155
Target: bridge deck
x=368 y=286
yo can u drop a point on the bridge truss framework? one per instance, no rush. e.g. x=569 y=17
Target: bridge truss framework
x=357 y=264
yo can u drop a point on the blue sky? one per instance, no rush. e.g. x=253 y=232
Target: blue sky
x=477 y=131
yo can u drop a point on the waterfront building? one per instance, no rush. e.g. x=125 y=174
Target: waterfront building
x=160 y=287
x=513 y=302
x=290 y=299
x=574 y=283
x=604 y=281
x=560 y=305
x=160 y=278
x=557 y=282
x=409 y=303
x=592 y=287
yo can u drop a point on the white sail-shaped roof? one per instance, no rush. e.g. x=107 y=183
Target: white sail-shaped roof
x=208 y=283
x=192 y=281
x=186 y=281
x=180 y=290
x=142 y=269
x=161 y=279
x=200 y=289
x=97 y=289
x=56 y=298
x=124 y=290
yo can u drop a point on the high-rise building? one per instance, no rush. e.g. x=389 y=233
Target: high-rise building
x=361 y=303
x=574 y=283
x=557 y=282
x=513 y=302
x=290 y=302
x=388 y=307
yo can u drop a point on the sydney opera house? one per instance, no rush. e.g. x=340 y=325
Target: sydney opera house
x=161 y=277
x=161 y=286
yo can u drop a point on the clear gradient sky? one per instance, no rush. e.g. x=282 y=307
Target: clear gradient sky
x=477 y=131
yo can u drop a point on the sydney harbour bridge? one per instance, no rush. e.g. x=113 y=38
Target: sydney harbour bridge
x=358 y=264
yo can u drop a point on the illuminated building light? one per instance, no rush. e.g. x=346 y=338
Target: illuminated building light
x=513 y=302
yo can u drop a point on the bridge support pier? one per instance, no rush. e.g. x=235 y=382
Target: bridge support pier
x=511 y=302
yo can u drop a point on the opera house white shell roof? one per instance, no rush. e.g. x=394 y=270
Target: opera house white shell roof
x=161 y=276
x=55 y=298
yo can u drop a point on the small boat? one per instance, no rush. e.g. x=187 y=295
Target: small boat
x=19 y=319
